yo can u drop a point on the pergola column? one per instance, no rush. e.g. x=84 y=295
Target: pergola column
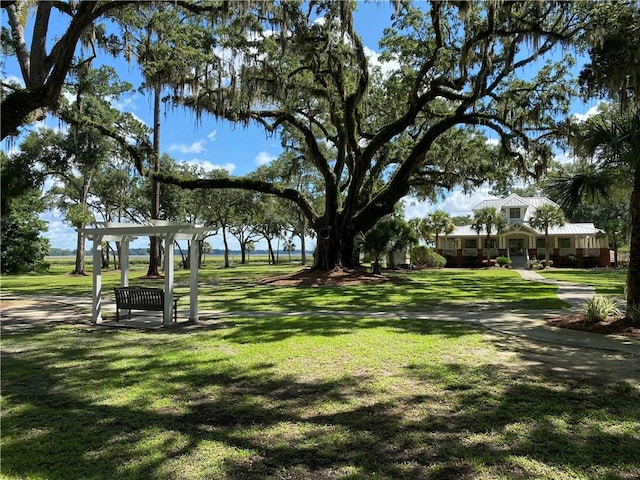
x=124 y=262
x=194 y=259
x=96 y=310
x=167 y=314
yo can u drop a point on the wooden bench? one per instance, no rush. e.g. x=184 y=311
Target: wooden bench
x=141 y=298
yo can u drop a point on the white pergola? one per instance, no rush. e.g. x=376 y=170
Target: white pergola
x=125 y=233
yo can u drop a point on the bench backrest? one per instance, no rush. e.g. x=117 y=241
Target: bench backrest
x=130 y=297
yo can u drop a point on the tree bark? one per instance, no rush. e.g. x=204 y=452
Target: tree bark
x=154 y=247
x=226 y=247
x=303 y=250
x=80 y=253
x=633 y=273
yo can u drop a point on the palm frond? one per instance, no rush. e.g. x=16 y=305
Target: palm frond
x=590 y=183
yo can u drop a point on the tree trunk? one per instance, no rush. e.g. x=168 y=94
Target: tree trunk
x=243 y=253
x=116 y=256
x=303 y=250
x=79 y=265
x=546 y=249
x=154 y=248
x=488 y=247
x=272 y=256
x=335 y=248
x=226 y=247
x=105 y=256
x=633 y=273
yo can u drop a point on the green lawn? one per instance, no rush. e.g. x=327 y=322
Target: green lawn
x=605 y=281
x=299 y=398
x=238 y=289
x=311 y=396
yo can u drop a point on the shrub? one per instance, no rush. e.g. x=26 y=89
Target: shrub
x=535 y=265
x=425 y=257
x=503 y=262
x=598 y=308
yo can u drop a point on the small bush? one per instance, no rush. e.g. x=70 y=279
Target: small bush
x=425 y=257
x=503 y=262
x=598 y=308
x=535 y=265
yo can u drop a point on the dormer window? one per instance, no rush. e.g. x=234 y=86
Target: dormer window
x=514 y=213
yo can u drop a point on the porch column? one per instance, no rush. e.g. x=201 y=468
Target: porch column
x=124 y=262
x=167 y=315
x=96 y=304
x=194 y=257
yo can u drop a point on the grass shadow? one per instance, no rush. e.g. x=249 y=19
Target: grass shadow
x=365 y=401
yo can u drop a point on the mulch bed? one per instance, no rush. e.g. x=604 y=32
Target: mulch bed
x=617 y=325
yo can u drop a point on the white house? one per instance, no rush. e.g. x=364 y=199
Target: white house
x=573 y=244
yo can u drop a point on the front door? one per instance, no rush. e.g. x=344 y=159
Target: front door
x=516 y=247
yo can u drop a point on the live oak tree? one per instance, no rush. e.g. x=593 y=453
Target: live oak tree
x=374 y=136
x=44 y=66
x=45 y=61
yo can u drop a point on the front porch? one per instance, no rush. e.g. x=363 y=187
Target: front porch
x=523 y=246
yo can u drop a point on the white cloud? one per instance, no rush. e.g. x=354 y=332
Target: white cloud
x=374 y=61
x=581 y=117
x=195 y=147
x=455 y=203
x=212 y=136
x=564 y=158
x=264 y=158
x=123 y=104
x=207 y=166
x=60 y=234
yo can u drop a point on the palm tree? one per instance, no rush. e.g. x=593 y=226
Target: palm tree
x=546 y=217
x=489 y=218
x=439 y=222
x=388 y=235
x=611 y=141
x=289 y=246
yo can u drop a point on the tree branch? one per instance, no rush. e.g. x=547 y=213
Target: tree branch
x=246 y=184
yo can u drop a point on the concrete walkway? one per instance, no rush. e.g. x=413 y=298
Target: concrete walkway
x=575 y=295
x=529 y=324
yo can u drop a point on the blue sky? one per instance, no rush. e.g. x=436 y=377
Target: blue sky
x=217 y=144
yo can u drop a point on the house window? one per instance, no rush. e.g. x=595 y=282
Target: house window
x=540 y=243
x=564 y=243
x=514 y=213
x=491 y=243
x=470 y=243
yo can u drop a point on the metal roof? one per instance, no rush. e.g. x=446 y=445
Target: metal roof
x=566 y=229
x=515 y=200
